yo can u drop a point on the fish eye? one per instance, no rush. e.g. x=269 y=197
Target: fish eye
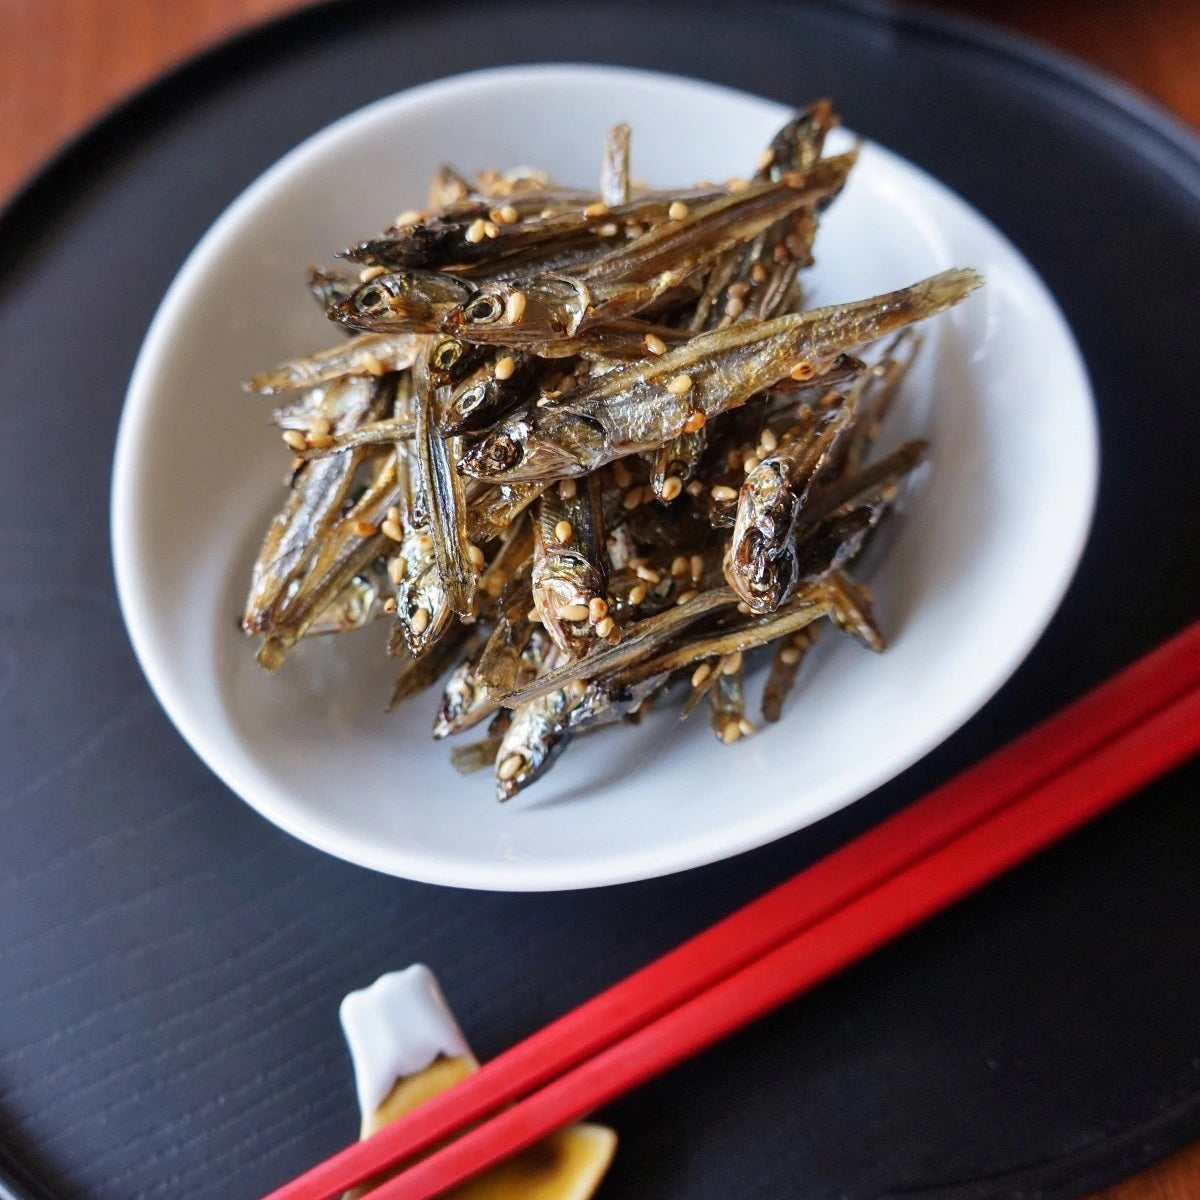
x=483 y=310
x=373 y=300
x=472 y=398
x=503 y=453
x=446 y=355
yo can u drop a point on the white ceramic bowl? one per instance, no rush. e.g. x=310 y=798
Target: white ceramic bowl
x=971 y=574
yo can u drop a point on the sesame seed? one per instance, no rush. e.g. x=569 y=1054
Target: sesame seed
x=732 y=663
x=369 y=273
x=321 y=426
x=389 y=604
x=734 y=307
x=797 y=247
x=764 y=160
x=393 y=530
x=612 y=635
x=420 y=621
x=597 y=609
x=491 y=229
x=789 y=656
x=751 y=461
x=680 y=385
x=621 y=474
x=410 y=216
x=476 y=231
x=425 y=543
x=678 y=210
x=733 y=460
x=633 y=498
x=730 y=732
x=505 y=367
x=475 y=556
x=564 y=531
x=568 y=489
x=746 y=728
x=514 y=310
x=738 y=184
x=768 y=441
x=397 y=568
x=679 y=565
x=672 y=486
x=695 y=489
x=534 y=614
x=695 y=421
x=573 y=612
x=802 y=371
x=321 y=441
x=739 y=290
x=722 y=493
x=609 y=229
x=696 y=563
x=294 y=439
x=597 y=209
x=605 y=626
x=365 y=529
x=510 y=767
x=687 y=597
x=649 y=574
x=743 y=608
x=637 y=593
x=700 y=674
x=758 y=273
x=655 y=344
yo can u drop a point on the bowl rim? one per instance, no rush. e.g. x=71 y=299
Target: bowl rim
x=520 y=875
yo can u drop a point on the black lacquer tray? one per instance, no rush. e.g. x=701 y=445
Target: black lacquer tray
x=170 y=965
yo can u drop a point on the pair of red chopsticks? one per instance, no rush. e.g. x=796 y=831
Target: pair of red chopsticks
x=1048 y=782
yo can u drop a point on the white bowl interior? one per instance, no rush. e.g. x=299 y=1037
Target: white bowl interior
x=970 y=574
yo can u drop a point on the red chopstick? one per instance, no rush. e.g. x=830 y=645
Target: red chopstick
x=1016 y=832
x=786 y=911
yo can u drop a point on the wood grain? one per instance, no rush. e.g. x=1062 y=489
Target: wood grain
x=64 y=62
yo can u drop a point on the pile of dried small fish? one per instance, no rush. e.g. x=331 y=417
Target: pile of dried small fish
x=582 y=446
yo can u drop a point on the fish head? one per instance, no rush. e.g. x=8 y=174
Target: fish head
x=761 y=566
x=539 y=309
x=401 y=300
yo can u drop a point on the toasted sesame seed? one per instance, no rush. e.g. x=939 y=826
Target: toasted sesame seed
x=410 y=216
x=505 y=367
x=739 y=290
x=758 y=273
x=365 y=529
x=797 y=246
x=510 y=767
x=655 y=344
x=721 y=493
x=749 y=463
x=649 y=574
x=743 y=608
x=677 y=210
x=514 y=310
x=321 y=426
x=679 y=565
x=802 y=371
x=695 y=489
x=700 y=674
x=621 y=474
x=534 y=614
x=369 y=273
x=609 y=229
x=696 y=563
x=738 y=184
x=321 y=441
x=768 y=441
x=476 y=231
x=597 y=609
x=393 y=513
x=424 y=543
x=605 y=626
x=564 y=531
x=696 y=421
x=573 y=612
x=686 y=597
x=568 y=489
x=733 y=460
x=420 y=621
x=672 y=486
x=633 y=232
x=732 y=663
x=389 y=604
x=735 y=306
x=680 y=385
x=295 y=440
x=475 y=556
x=730 y=732
x=633 y=498
x=491 y=229
x=789 y=656
x=765 y=158
x=597 y=209
x=397 y=568
x=637 y=593
x=746 y=728
x=393 y=530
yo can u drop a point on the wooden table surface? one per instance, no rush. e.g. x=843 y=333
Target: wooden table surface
x=63 y=62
